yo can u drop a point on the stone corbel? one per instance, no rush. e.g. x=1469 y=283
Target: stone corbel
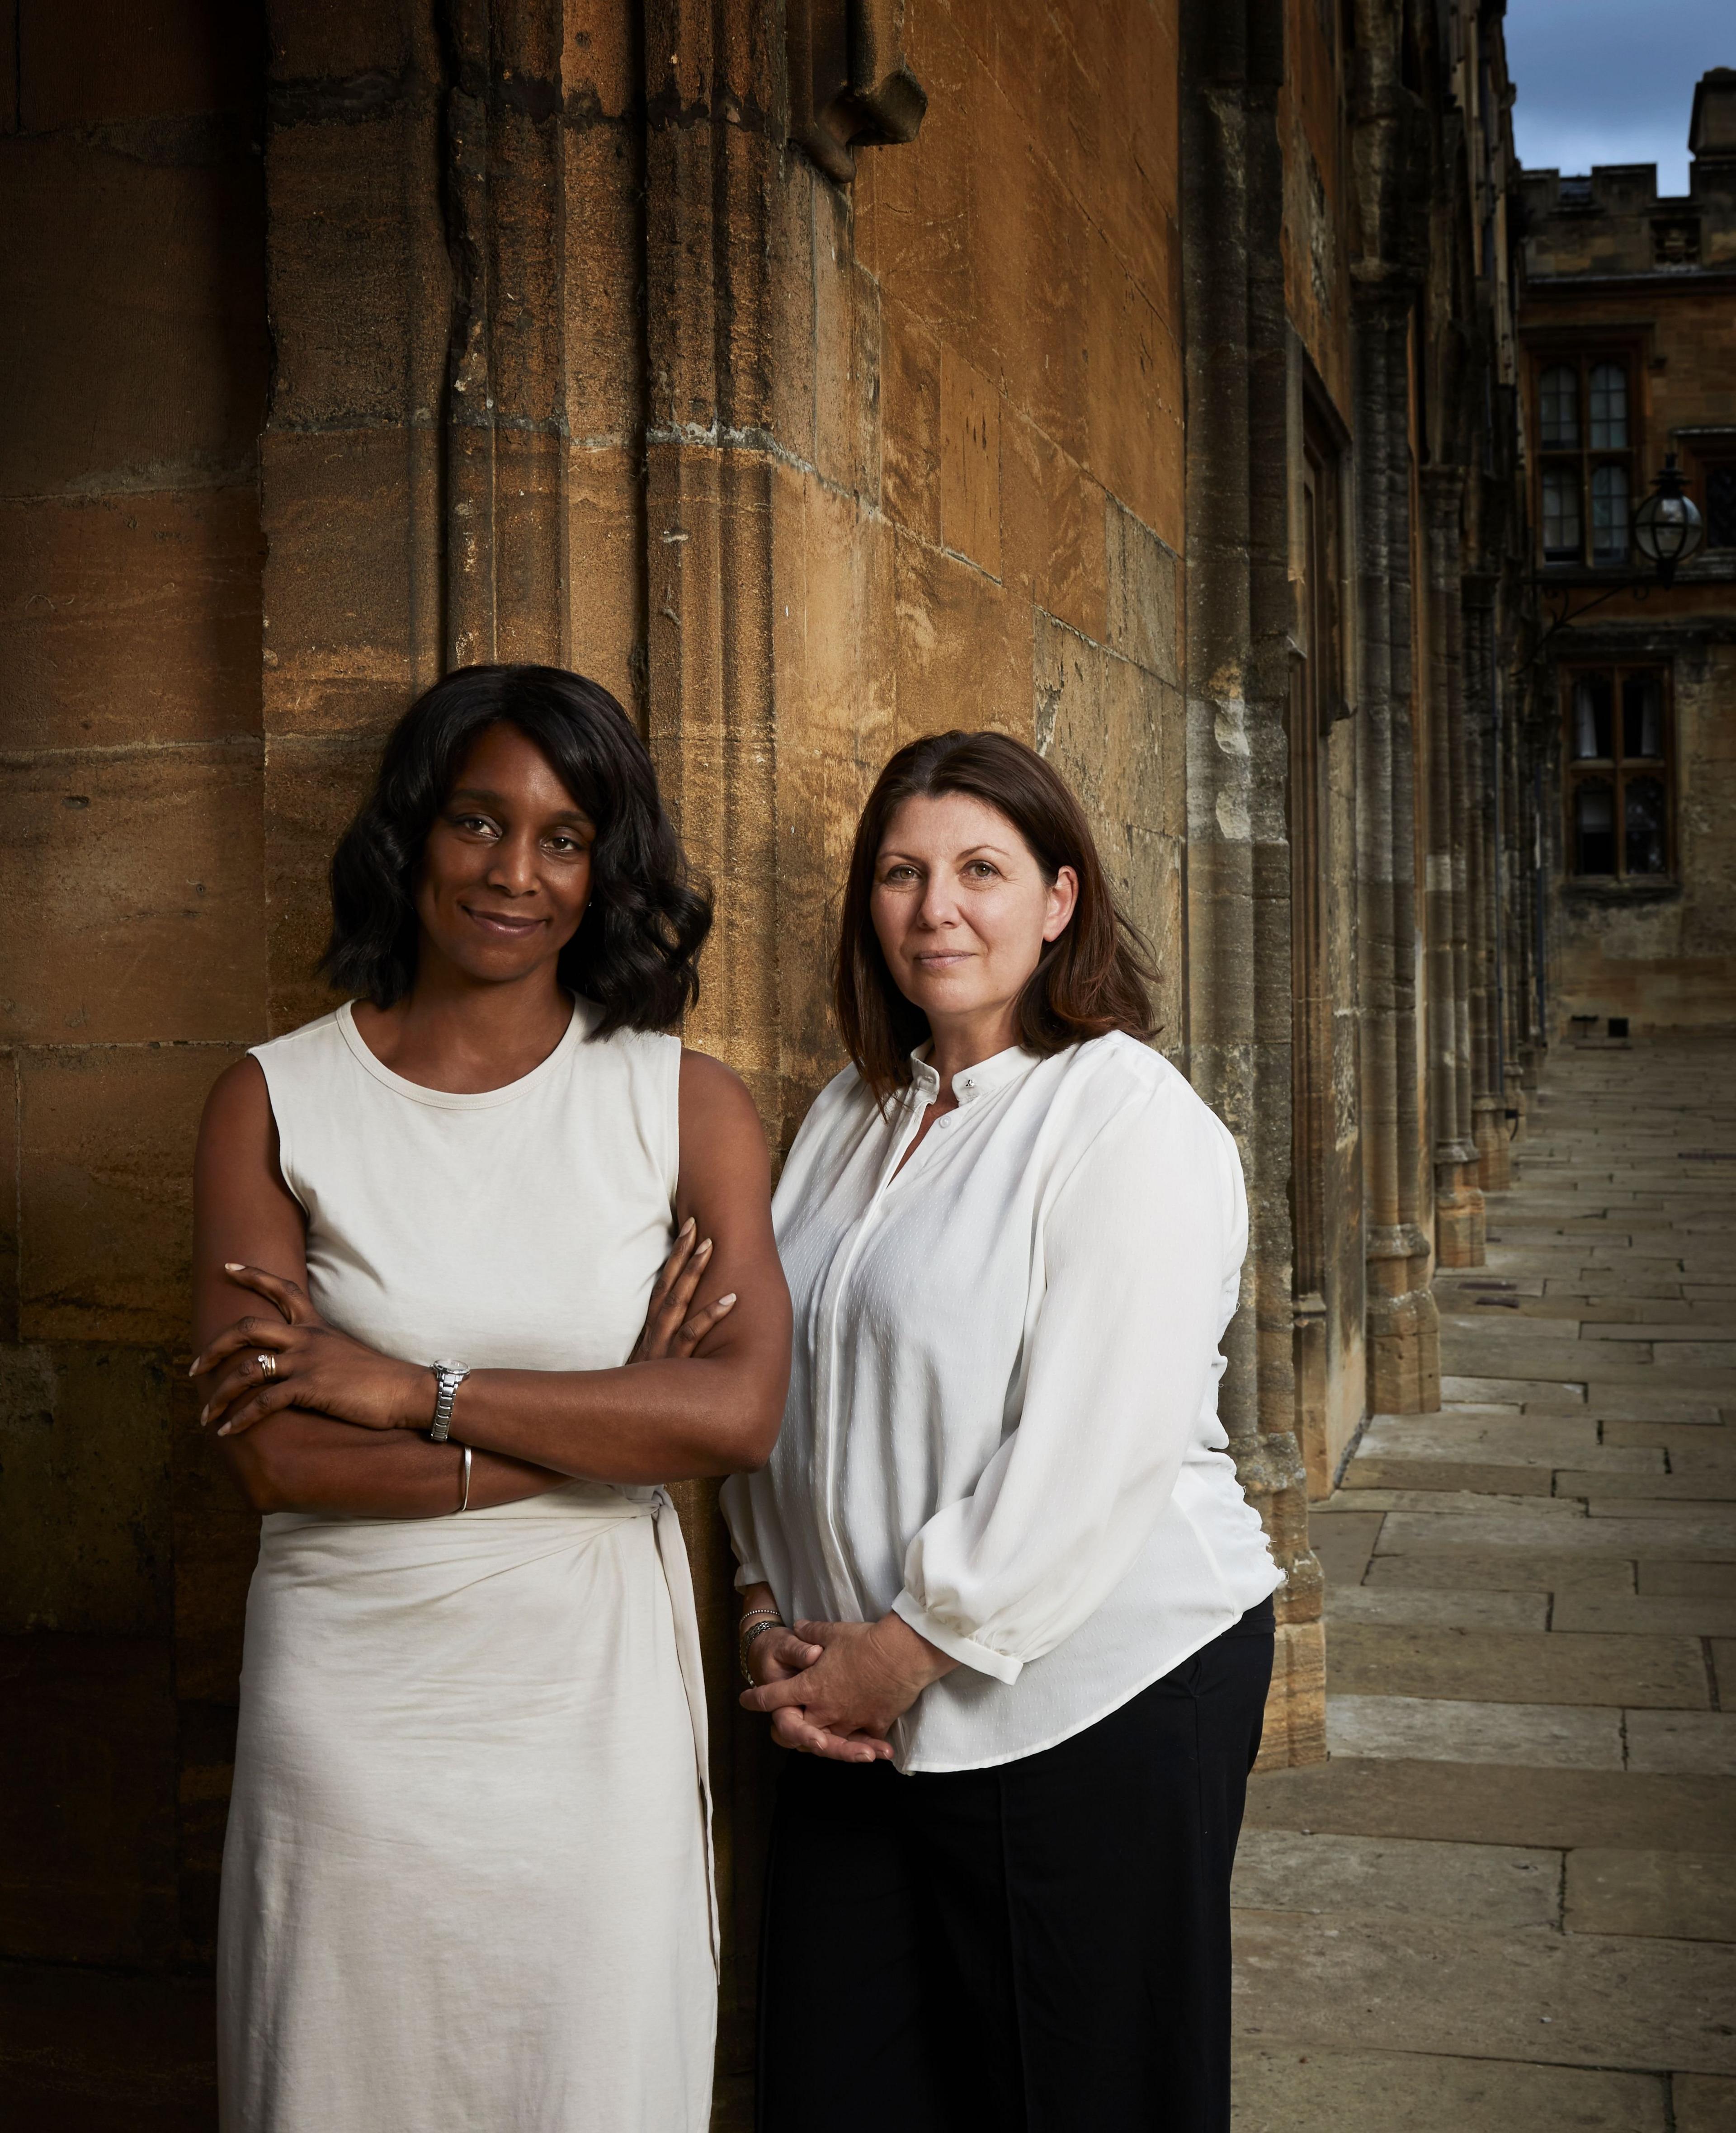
x=849 y=84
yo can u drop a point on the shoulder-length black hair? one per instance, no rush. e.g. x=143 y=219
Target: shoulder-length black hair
x=637 y=945
x=1092 y=978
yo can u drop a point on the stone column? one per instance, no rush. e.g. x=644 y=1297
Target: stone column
x=1482 y=728
x=1237 y=1004
x=1458 y=1211
x=1403 y=1327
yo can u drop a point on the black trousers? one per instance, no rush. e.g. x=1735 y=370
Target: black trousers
x=1039 y=1947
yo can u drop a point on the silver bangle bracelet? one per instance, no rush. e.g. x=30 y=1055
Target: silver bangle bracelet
x=465 y=1505
x=745 y=1644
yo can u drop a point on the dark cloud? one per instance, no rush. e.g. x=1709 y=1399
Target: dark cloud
x=1612 y=81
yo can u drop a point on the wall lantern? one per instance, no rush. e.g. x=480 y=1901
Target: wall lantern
x=1667 y=528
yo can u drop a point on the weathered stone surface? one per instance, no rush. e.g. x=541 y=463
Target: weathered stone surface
x=1645 y=1615
x=1702 y=2103
x=1498 y=1667
x=106 y=1193
x=1462 y=1609
x=1499 y=1439
x=1372 y=1980
x=1707 y=1580
x=1295 y=2090
x=1481 y=1885
x=1568 y=1396
x=140 y=870
x=1703 y=1741
x=1479 y=1803
x=1709 y=1484
x=107 y=251
x=1532 y=1735
x=1679 y=1537
x=1393 y=1477
x=1542 y=1571
x=85 y=1452
x=131 y=618
x=1669 y=1895
x=1344 y=1544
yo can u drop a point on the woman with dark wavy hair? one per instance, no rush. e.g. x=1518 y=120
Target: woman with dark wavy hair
x=1028 y=1607
x=466 y=1877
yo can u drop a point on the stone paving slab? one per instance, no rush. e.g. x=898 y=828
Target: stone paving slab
x=1344 y=1545
x=1307 y=2090
x=1677 y=1538
x=1696 y=1330
x=1632 y=1509
x=1478 y=1803
x=1490 y=1885
x=1368 y=1980
x=1665 y=1436
x=1529 y=1392
x=1447 y=1503
x=1536 y=1571
x=1701 y=1742
x=1702 y=2104
x=1663 y=1896
x=1715 y=1485
x=1501 y=1440
x=1718 y=1579
x=1457 y=1610
x=1656 y=1577
x=1496 y=1666
x=1392 y=1476
x=1447 y=1730
x=1614 y=1403
x=1655 y=1615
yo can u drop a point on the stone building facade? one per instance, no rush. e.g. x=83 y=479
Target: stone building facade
x=1629 y=331
x=1136 y=376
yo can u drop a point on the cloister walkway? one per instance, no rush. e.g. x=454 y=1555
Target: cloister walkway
x=1508 y=1901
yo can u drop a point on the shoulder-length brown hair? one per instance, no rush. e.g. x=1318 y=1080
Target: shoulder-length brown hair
x=1092 y=978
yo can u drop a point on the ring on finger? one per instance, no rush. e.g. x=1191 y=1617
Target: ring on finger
x=267 y=1363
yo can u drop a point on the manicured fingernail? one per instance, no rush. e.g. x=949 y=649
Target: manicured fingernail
x=704 y=1245
x=686 y=1227
x=724 y=1302
x=223 y=1431
x=233 y=1266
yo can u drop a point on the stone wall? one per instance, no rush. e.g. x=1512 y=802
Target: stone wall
x=134 y=375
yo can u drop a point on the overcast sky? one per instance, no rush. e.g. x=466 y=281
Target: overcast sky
x=1612 y=81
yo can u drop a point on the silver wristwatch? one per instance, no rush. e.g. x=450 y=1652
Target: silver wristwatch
x=449 y=1376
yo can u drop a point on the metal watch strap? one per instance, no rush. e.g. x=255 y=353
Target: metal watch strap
x=449 y=1376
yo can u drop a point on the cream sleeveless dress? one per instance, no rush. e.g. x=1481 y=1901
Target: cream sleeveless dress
x=466 y=1881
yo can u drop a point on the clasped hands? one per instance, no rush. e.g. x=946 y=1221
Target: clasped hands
x=834 y=1688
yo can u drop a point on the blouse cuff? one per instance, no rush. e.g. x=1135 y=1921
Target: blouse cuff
x=965 y=1649
x=750 y=1573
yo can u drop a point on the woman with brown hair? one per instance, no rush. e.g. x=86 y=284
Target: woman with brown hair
x=1000 y=1582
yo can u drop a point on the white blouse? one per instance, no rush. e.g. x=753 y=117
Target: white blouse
x=1002 y=1419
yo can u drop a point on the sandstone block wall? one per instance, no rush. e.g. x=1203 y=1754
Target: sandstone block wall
x=134 y=370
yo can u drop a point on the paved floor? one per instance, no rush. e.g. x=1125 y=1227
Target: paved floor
x=1509 y=1900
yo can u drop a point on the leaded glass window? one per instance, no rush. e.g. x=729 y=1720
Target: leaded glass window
x=1617 y=736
